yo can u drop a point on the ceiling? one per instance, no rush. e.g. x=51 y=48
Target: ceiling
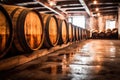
x=106 y=7
x=69 y=7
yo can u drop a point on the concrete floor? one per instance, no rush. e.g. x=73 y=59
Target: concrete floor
x=87 y=60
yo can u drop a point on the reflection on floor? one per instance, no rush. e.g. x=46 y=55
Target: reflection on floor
x=87 y=60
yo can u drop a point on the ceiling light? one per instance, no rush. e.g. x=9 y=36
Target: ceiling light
x=95 y=2
x=97 y=9
x=98 y=14
x=52 y=2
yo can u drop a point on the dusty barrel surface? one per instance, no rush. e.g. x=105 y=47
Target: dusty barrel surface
x=27 y=27
x=70 y=32
x=6 y=35
x=51 y=30
x=63 y=31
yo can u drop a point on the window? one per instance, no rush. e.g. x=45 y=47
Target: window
x=78 y=21
x=110 y=24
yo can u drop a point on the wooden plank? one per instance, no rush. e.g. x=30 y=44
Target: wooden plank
x=74 y=8
x=41 y=4
x=69 y=6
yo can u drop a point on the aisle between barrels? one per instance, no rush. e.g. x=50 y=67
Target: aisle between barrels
x=87 y=60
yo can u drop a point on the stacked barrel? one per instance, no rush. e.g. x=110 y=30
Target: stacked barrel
x=26 y=30
x=107 y=34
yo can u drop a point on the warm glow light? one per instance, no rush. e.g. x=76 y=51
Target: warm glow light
x=97 y=9
x=98 y=14
x=52 y=3
x=95 y=2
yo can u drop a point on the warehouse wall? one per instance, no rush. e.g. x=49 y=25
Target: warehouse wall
x=94 y=23
x=99 y=23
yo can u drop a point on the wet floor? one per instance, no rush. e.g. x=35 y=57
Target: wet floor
x=87 y=60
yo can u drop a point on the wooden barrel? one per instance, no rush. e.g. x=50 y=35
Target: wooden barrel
x=79 y=34
x=76 y=33
x=88 y=34
x=51 y=30
x=70 y=32
x=82 y=34
x=6 y=34
x=63 y=31
x=115 y=33
x=27 y=27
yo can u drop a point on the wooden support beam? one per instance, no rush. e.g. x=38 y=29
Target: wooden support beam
x=68 y=6
x=102 y=3
x=110 y=11
x=26 y=3
x=49 y=8
x=74 y=8
x=41 y=4
x=85 y=6
x=108 y=7
x=11 y=2
x=105 y=8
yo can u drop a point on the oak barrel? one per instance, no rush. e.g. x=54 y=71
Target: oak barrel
x=70 y=32
x=76 y=33
x=84 y=33
x=27 y=27
x=6 y=34
x=79 y=33
x=63 y=31
x=51 y=30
